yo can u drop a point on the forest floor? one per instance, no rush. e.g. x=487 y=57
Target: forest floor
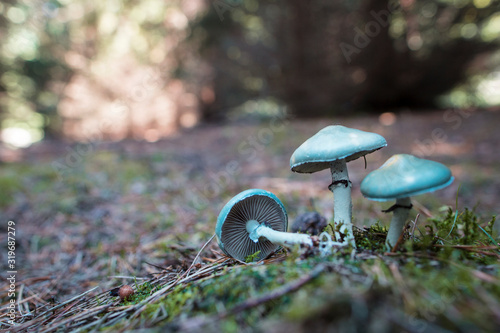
x=94 y=216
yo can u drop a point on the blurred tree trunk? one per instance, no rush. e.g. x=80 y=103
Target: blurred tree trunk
x=339 y=57
x=398 y=76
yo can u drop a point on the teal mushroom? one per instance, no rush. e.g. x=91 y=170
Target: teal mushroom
x=399 y=178
x=331 y=148
x=255 y=220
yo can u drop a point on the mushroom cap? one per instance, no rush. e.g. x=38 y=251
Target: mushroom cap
x=125 y=292
x=254 y=204
x=334 y=143
x=403 y=176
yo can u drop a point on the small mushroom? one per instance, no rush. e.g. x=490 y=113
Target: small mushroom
x=311 y=223
x=331 y=148
x=255 y=220
x=125 y=292
x=399 y=178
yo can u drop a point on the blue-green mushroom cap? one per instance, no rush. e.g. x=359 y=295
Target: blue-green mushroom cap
x=334 y=143
x=404 y=176
x=253 y=204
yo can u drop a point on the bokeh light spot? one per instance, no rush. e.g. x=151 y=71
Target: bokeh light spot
x=468 y=30
x=387 y=118
x=481 y=3
x=17 y=137
x=415 y=42
x=358 y=76
x=16 y=15
x=188 y=120
x=152 y=135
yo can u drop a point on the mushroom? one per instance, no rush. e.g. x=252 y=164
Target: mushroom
x=125 y=292
x=399 y=178
x=332 y=147
x=255 y=220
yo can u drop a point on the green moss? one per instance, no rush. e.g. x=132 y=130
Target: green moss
x=372 y=238
x=227 y=290
x=418 y=287
x=252 y=257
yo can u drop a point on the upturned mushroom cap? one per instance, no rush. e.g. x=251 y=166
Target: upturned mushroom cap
x=404 y=176
x=334 y=143
x=254 y=204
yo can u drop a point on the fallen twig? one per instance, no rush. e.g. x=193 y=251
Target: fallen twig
x=195 y=324
x=68 y=301
x=275 y=294
x=471 y=248
x=198 y=255
x=80 y=316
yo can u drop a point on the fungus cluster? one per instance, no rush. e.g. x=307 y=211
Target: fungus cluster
x=254 y=222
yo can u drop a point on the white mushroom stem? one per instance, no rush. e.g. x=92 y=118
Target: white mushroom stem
x=287 y=239
x=401 y=211
x=342 y=204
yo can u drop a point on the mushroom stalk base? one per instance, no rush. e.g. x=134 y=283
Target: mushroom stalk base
x=287 y=239
x=399 y=218
x=342 y=204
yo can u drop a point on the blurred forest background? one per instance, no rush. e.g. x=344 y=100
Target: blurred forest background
x=90 y=70
x=222 y=88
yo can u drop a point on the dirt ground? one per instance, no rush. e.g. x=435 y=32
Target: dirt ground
x=465 y=140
